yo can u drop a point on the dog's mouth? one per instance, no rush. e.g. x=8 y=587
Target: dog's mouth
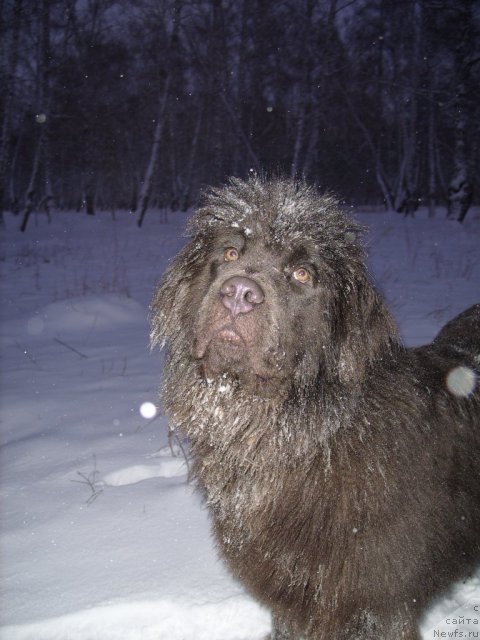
x=226 y=349
x=230 y=336
x=226 y=337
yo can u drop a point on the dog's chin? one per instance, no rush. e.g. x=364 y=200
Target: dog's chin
x=227 y=355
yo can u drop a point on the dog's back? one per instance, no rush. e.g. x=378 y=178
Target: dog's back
x=453 y=358
x=451 y=370
x=460 y=338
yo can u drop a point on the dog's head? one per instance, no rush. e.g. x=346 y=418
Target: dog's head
x=272 y=290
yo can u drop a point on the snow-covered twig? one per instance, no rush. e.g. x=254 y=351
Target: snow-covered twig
x=67 y=346
x=91 y=481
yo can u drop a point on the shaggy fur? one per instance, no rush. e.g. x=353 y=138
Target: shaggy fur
x=341 y=469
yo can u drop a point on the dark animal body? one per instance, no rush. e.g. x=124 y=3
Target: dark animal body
x=340 y=468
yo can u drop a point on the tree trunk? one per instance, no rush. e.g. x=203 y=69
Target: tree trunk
x=9 y=92
x=432 y=174
x=146 y=188
x=305 y=97
x=460 y=189
x=406 y=197
x=171 y=54
x=375 y=151
x=186 y=195
x=31 y=196
x=31 y=193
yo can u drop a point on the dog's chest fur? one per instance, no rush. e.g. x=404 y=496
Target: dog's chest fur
x=261 y=503
x=256 y=529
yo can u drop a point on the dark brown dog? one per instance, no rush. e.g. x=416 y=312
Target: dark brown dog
x=341 y=469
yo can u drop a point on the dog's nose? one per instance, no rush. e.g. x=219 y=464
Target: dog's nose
x=241 y=295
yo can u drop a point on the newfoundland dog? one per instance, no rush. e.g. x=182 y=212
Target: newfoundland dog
x=341 y=469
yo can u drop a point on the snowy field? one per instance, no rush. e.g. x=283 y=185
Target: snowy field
x=102 y=538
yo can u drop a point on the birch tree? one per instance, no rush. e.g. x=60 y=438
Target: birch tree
x=163 y=97
x=409 y=62
x=460 y=188
x=32 y=195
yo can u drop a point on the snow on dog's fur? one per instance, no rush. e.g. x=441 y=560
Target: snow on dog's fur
x=341 y=469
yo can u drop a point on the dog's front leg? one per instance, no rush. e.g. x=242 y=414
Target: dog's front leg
x=281 y=630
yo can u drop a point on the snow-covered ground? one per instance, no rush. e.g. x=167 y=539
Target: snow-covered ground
x=101 y=535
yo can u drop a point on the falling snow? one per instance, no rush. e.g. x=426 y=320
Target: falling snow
x=148 y=410
x=461 y=381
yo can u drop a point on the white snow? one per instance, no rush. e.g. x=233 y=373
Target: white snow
x=461 y=381
x=167 y=468
x=101 y=536
x=148 y=410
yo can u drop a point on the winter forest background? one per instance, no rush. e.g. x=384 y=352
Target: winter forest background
x=110 y=104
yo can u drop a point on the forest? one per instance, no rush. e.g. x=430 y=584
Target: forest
x=134 y=104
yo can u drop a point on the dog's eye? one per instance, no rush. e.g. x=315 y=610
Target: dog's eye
x=231 y=254
x=302 y=275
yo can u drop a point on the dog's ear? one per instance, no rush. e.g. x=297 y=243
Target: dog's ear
x=170 y=299
x=365 y=331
